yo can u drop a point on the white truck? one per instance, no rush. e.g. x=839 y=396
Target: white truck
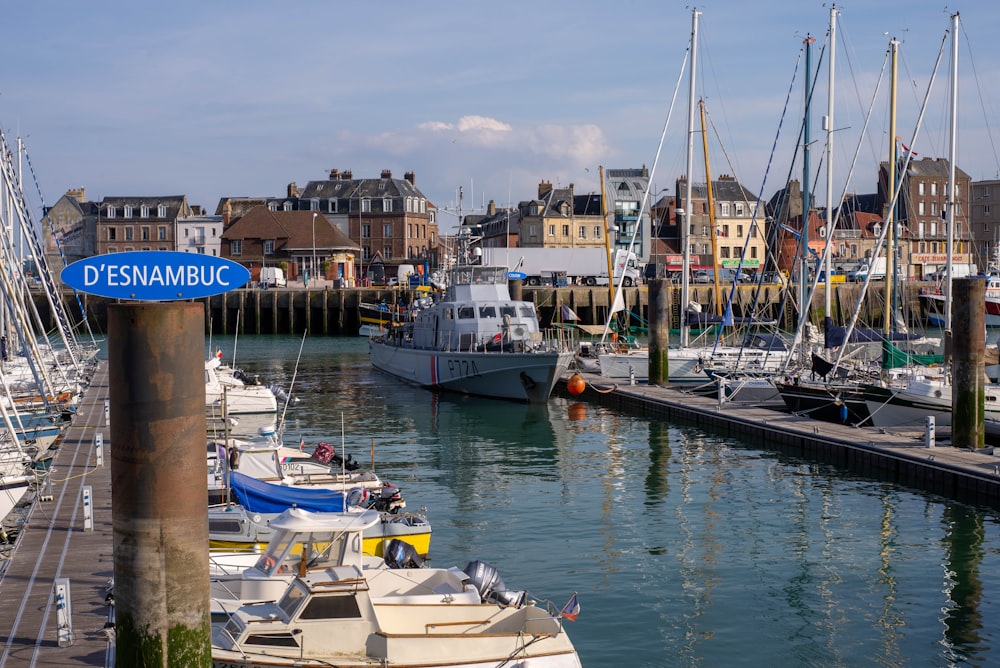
x=873 y=266
x=585 y=266
x=272 y=277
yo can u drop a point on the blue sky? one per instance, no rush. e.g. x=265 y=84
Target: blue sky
x=214 y=99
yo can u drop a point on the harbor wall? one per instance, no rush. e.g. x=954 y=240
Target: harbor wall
x=333 y=311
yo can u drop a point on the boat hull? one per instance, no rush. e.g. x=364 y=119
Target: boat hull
x=526 y=376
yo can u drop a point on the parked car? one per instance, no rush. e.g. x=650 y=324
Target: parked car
x=703 y=276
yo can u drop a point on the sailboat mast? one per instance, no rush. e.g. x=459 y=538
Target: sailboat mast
x=804 y=236
x=828 y=270
x=952 y=149
x=607 y=242
x=890 y=219
x=686 y=230
x=713 y=236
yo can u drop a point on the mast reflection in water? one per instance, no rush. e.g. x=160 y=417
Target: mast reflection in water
x=686 y=547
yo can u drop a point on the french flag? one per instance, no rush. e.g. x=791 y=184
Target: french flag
x=571 y=610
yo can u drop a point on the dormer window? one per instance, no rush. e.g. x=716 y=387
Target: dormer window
x=386 y=205
x=161 y=211
x=110 y=212
x=128 y=211
x=144 y=211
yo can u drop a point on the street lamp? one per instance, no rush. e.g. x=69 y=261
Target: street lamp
x=313 y=267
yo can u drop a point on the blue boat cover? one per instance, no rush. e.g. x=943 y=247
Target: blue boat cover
x=257 y=496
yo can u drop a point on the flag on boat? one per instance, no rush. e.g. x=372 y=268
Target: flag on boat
x=619 y=304
x=302 y=443
x=568 y=313
x=498 y=337
x=572 y=608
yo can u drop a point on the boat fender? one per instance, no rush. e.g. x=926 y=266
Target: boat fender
x=234 y=458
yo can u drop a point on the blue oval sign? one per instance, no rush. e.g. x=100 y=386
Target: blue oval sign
x=155 y=275
x=516 y=275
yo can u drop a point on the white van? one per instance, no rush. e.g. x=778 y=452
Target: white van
x=272 y=277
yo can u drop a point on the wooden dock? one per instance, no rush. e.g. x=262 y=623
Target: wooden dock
x=54 y=544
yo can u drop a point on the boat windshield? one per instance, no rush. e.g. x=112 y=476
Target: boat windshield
x=475 y=274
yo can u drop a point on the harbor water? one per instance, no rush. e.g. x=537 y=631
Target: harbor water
x=686 y=548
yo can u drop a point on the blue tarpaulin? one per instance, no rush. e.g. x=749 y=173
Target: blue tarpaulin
x=257 y=496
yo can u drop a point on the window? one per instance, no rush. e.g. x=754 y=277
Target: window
x=597 y=231
x=366 y=231
x=268 y=246
x=144 y=211
x=724 y=251
x=725 y=230
x=366 y=252
x=552 y=230
x=331 y=205
x=387 y=230
x=920 y=208
x=110 y=212
x=387 y=252
x=753 y=251
x=128 y=211
x=366 y=205
x=144 y=233
x=236 y=247
x=583 y=232
x=920 y=188
x=739 y=208
x=272 y=206
x=933 y=189
x=704 y=230
x=161 y=211
x=934 y=208
x=565 y=230
x=128 y=234
x=112 y=234
x=986 y=210
x=161 y=233
x=739 y=231
x=286 y=206
x=386 y=205
x=725 y=208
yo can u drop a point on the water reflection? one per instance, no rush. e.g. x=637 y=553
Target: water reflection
x=964 y=558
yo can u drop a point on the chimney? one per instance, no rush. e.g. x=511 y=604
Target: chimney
x=334 y=174
x=411 y=177
x=491 y=210
x=347 y=175
x=544 y=188
x=79 y=194
x=196 y=210
x=227 y=214
x=293 y=190
x=386 y=174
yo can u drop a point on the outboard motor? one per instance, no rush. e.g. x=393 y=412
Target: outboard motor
x=399 y=554
x=491 y=586
x=389 y=499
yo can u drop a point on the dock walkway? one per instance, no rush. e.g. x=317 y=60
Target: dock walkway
x=53 y=544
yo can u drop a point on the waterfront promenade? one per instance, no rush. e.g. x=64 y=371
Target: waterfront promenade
x=54 y=544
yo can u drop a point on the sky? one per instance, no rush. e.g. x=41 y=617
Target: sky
x=225 y=99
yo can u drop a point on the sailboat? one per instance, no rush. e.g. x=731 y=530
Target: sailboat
x=687 y=363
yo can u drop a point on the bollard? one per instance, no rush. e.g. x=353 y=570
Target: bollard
x=107 y=412
x=722 y=391
x=631 y=375
x=929 y=431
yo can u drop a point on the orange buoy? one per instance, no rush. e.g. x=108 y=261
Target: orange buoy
x=576 y=384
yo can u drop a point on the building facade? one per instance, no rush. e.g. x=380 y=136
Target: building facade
x=139 y=223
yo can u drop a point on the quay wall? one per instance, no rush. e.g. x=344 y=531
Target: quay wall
x=333 y=311
x=959 y=474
